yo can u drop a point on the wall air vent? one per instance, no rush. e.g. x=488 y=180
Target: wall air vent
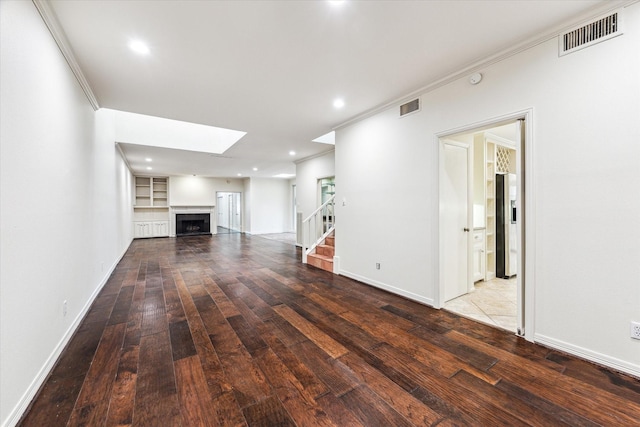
x=597 y=31
x=410 y=107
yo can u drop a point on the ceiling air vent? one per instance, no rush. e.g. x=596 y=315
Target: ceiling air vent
x=597 y=31
x=410 y=107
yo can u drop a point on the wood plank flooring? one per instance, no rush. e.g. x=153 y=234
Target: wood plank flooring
x=232 y=330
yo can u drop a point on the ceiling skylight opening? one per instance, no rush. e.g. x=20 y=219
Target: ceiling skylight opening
x=139 y=47
x=338 y=103
x=327 y=138
x=284 y=175
x=292 y=153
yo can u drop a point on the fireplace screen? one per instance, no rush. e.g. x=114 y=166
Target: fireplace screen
x=191 y=224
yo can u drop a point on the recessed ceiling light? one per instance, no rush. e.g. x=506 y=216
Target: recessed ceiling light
x=138 y=46
x=292 y=153
x=338 y=103
x=255 y=169
x=336 y=3
x=149 y=168
x=147 y=159
x=239 y=174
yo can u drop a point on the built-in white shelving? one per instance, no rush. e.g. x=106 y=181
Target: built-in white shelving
x=151 y=207
x=490 y=211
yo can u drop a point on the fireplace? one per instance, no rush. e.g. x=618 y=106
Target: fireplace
x=193 y=224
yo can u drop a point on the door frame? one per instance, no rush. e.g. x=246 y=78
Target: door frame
x=469 y=224
x=525 y=204
x=241 y=210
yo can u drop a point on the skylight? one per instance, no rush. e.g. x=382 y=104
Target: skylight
x=327 y=138
x=153 y=131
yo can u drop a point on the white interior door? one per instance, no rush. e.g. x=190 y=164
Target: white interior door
x=455 y=221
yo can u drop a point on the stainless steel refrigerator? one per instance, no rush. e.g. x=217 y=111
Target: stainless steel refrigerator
x=506 y=234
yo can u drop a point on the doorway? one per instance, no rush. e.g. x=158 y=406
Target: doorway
x=229 y=212
x=487 y=251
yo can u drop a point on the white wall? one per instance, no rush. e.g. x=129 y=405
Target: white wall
x=308 y=172
x=199 y=191
x=269 y=200
x=586 y=184
x=65 y=204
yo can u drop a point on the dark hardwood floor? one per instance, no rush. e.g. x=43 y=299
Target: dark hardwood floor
x=234 y=330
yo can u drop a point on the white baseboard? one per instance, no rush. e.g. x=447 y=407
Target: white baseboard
x=593 y=356
x=24 y=402
x=389 y=288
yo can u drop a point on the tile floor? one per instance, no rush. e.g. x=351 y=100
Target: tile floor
x=492 y=302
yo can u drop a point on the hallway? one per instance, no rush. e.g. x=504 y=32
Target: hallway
x=233 y=330
x=492 y=302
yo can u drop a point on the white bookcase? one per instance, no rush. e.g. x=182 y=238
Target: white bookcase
x=151 y=207
x=490 y=210
x=500 y=157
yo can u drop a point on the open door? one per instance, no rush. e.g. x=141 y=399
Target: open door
x=455 y=218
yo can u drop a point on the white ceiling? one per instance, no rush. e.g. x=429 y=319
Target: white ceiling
x=273 y=68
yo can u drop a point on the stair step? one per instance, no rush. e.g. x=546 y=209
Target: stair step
x=330 y=241
x=326 y=250
x=322 y=262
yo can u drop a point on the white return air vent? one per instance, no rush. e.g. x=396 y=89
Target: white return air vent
x=601 y=29
x=410 y=107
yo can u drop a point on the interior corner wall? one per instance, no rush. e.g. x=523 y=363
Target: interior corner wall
x=65 y=204
x=270 y=203
x=308 y=172
x=585 y=186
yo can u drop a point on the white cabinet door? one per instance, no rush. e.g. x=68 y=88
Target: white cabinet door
x=142 y=229
x=478 y=256
x=138 y=229
x=478 y=274
x=160 y=228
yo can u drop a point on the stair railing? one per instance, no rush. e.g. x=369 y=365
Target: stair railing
x=317 y=226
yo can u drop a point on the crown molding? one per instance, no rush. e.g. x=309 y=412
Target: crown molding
x=51 y=21
x=477 y=66
x=313 y=156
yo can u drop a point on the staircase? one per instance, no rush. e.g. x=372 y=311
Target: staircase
x=318 y=236
x=322 y=257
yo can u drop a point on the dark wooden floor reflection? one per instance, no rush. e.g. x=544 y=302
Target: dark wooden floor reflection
x=233 y=330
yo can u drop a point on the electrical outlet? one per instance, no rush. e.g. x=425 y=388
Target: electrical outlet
x=64 y=308
x=635 y=330
x=377 y=266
